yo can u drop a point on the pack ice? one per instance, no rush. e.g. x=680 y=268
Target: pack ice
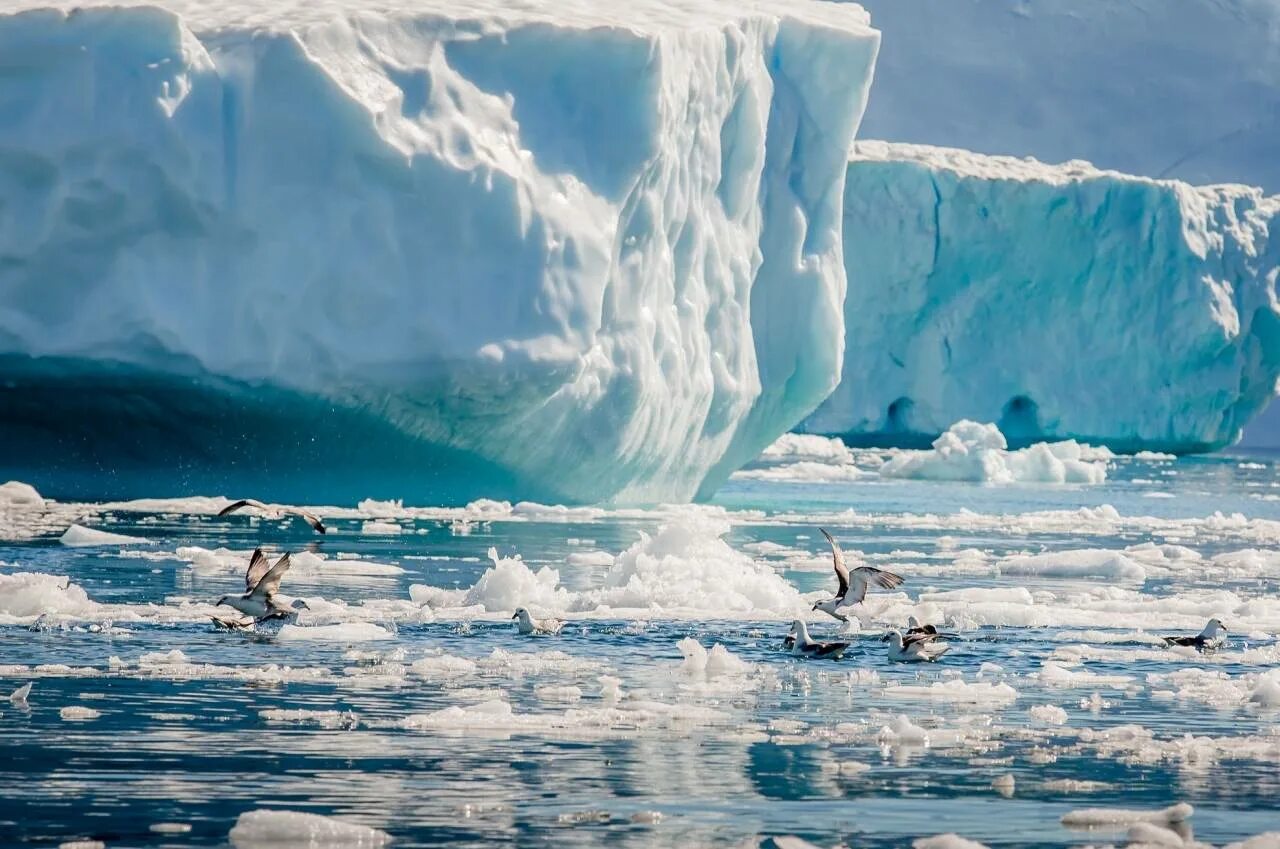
x=579 y=249
x=1059 y=301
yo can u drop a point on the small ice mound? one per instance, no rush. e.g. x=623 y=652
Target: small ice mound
x=1048 y=714
x=807 y=471
x=1150 y=834
x=1090 y=817
x=1154 y=457
x=510 y=583
x=1266 y=691
x=376 y=528
x=702 y=664
x=82 y=844
x=1266 y=840
x=19 y=696
x=170 y=827
x=16 y=495
x=564 y=695
x=950 y=840
x=589 y=558
x=328 y=719
x=979 y=453
x=1080 y=563
x=30 y=594
x=78 y=713
x=903 y=732
x=345 y=632
x=801 y=447
x=956 y=691
x=490 y=714
x=438 y=667
x=78 y=536
x=610 y=689
x=267 y=828
x=1004 y=785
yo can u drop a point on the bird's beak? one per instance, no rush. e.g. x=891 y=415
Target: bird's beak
x=221 y=601
x=815 y=606
x=515 y=616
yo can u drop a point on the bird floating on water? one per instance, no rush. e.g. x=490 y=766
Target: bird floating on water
x=914 y=648
x=804 y=645
x=276 y=512
x=261 y=582
x=853 y=585
x=526 y=624
x=1212 y=637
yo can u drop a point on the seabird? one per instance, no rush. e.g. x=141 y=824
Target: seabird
x=261 y=581
x=275 y=512
x=19 y=696
x=528 y=625
x=1213 y=636
x=803 y=644
x=914 y=648
x=853 y=585
x=914 y=627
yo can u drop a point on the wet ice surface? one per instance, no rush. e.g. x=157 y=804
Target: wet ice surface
x=404 y=702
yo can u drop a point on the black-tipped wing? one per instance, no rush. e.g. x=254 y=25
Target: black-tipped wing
x=924 y=629
x=259 y=565
x=311 y=519
x=913 y=639
x=870 y=576
x=829 y=649
x=270 y=583
x=242 y=503
x=837 y=561
x=1181 y=641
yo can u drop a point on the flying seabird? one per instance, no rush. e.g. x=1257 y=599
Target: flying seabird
x=275 y=512
x=803 y=644
x=19 y=696
x=261 y=581
x=853 y=585
x=914 y=648
x=1213 y=636
x=528 y=625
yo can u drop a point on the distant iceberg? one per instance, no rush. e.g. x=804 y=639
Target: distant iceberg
x=570 y=250
x=1057 y=301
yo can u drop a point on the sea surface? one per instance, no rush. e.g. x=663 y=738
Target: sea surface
x=402 y=700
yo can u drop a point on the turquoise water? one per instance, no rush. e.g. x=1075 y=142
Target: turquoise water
x=426 y=716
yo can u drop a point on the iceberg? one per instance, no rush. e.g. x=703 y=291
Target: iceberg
x=1057 y=301
x=570 y=251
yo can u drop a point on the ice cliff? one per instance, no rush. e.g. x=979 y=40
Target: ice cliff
x=1058 y=301
x=580 y=250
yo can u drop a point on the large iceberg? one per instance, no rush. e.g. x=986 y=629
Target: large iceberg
x=1056 y=300
x=574 y=250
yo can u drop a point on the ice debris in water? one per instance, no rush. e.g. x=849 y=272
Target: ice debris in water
x=718 y=662
x=78 y=713
x=1086 y=817
x=970 y=451
x=949 y=840
x=79 y=536
x=344 y=632
x=16 y=495
x=269 y=828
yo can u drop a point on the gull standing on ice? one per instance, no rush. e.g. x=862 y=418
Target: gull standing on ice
x=1212 y=637
x=915 y=648
x=853 y=585
x=275 y=512
x=261 y=582
x=803 y=644
x=528 y=625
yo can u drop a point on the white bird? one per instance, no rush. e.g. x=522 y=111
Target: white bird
x=915 y=648
x=1212 y=637
x=804 y=645
x=261 y=581
x=19 y=696
x=853 y=585
x=528 y=625
x=275 y=512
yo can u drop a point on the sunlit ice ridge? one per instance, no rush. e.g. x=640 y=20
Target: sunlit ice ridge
x=577 y=251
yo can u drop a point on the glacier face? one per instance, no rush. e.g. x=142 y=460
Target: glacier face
x=1058 y=301
x=580 y=250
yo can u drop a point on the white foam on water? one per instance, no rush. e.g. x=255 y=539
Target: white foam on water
x=271 y=828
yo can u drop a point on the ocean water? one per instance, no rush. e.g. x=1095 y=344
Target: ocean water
x=404 y=701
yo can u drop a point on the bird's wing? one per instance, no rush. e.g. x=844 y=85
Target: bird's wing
x=913 y=639
x=837 y=561
x=259 y=565
x=869 y=576
x=1179 y=641
x=270 y=582
x=824 y=649
x=243 y=502
x=231 y=624
x=311 y=518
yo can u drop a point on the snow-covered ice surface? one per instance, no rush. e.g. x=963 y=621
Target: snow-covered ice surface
x=575 y=249
x=1055 y=300
x=403 y=703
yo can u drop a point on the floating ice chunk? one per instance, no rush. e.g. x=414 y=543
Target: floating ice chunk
x=19 y=696
x=589 y=558
x=1079 y=563
x=1048 y=714
x=30 y=594
x=1150 y=834
x=345 y=632
x=1154 y=457
x=509 y=584
x=321 y=718
x=903 y=731
x=1266 y=840
x=956 y=691
x=970 y=451
x=268 y=828
x=435 y=667
x=552 y=693
x=703 y=664
x=375 y=528
x=78 y=713
x=82 y=844
x=1266 y=691
x=16 y=495
x=800 y=447
x=79 y=536
x=1086 y=817
x=1072 y=786
x=1054 y=674
x=169 y=827
x=1004 y=785
x=950 y=840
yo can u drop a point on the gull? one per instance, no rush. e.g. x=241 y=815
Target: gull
x=914 y=628
x=19 y=696
x=529 y=625
x=914 y=648
x=853 y=585
x=803 y=644
x=261 y=582
x=275 y=512
x=1213 y=636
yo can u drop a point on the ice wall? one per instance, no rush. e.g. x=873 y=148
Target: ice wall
x=1058 y=301
x=583 y=250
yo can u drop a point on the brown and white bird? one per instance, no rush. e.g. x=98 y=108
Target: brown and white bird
x=852 y=588
x=805 y=646
x=261 y=582
x=275 y=512
x=526 y=624
x=914 y=648
x=1212 y=637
